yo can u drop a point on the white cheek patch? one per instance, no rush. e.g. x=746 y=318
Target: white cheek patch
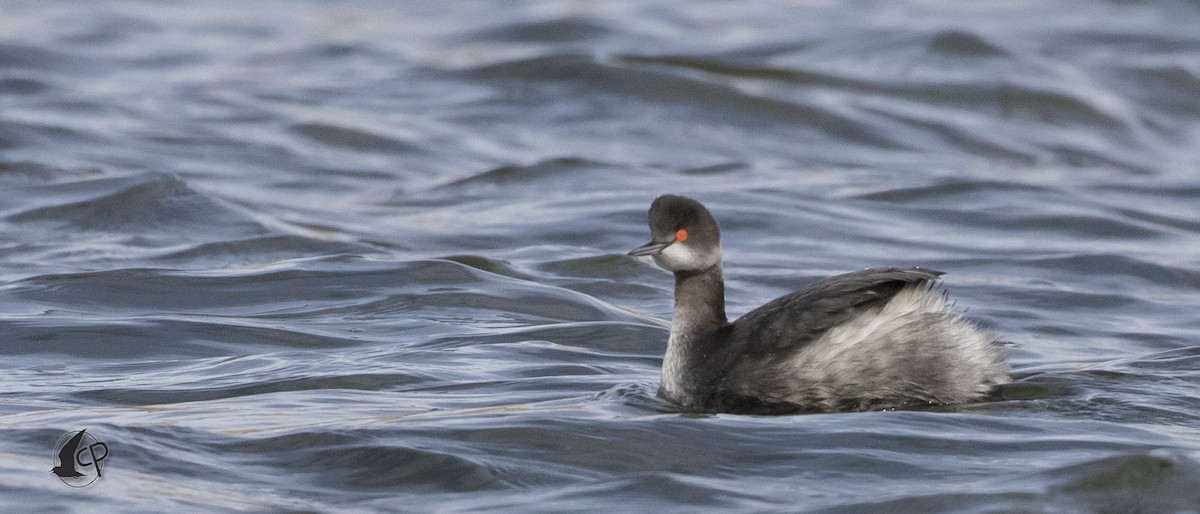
x=681 y=256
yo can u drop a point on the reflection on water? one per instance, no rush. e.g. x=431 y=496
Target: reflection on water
x=323 y=257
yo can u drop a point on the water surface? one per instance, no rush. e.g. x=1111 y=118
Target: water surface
x=318 y=256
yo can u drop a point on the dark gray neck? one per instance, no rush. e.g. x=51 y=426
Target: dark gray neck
x=699 y=303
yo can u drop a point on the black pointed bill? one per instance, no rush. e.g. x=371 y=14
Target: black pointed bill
x=651 y=248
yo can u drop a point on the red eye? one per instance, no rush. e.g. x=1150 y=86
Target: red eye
x=681 y=235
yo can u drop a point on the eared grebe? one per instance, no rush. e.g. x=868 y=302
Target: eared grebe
x=872 y=339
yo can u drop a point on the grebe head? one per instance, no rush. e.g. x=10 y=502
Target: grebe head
x=683 y=235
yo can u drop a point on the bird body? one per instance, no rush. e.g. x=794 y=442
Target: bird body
x=871 y=339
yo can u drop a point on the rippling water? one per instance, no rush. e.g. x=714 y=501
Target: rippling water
x=323 y=256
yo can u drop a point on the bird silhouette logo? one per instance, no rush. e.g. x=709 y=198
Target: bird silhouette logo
x=79 y=449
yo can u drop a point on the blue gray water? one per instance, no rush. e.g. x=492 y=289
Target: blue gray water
x=369 y=256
